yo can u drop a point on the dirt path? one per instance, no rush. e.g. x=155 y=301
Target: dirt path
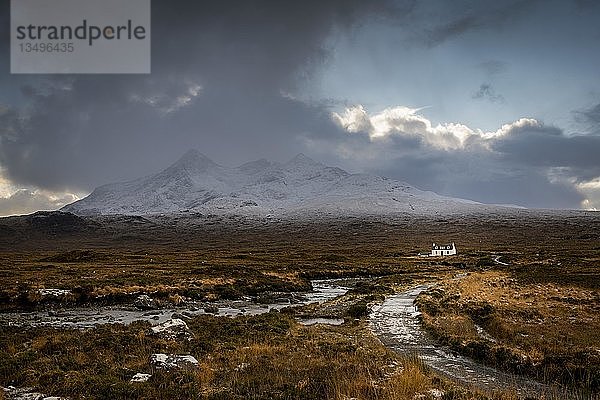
x=396 y=322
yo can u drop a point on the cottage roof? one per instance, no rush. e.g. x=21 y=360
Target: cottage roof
x=443 y=246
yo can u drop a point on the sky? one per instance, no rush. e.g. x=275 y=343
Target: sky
x=493 y=101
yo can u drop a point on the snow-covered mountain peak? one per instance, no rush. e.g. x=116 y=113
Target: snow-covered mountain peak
x=196 y=183
x=194 y=161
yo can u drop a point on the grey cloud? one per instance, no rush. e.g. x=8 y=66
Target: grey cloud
x=549 y=147
x=82 y=131
x=9 y=123
x=585 y=4
x=458 y=18
x=487 y=92
x=403 y=143
x=493 y=67
x=483 y=178
x=26 y=201
x=105 y=136
x=5 y=32
x=589 y=117
x=593 y=114
x=453 y=28
x=530 y=164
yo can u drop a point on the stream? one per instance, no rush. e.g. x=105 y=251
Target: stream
x=89 y=317
x=397 y=324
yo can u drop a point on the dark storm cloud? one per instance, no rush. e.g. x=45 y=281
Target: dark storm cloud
x=525 y=163
x=225 y=79
x=589 y=117
x=9 y=123
x=493 y=67
x=586 y=4
x=487 y=92
x=459 y=17
x=5 y=32
x=258 y=44
x=496 y=182
x=453 y=28
x=593 y=114
x=491 y=177
x=549 y=148
x=222 y=74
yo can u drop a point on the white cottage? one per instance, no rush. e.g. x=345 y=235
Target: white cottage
x=443 y=250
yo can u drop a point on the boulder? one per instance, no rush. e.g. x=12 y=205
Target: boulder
x=173 y=329
x=172 y=361
x=145 y=302
x=140 y=377
x=14 y=393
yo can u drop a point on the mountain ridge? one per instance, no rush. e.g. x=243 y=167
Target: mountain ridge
x=196 y=183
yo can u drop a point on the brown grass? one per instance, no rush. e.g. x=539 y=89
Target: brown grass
x=111 y=259
x=548 y=330
x=263 y=357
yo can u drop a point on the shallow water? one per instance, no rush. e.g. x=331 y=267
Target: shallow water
x=396 y=322
x=88 y=317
